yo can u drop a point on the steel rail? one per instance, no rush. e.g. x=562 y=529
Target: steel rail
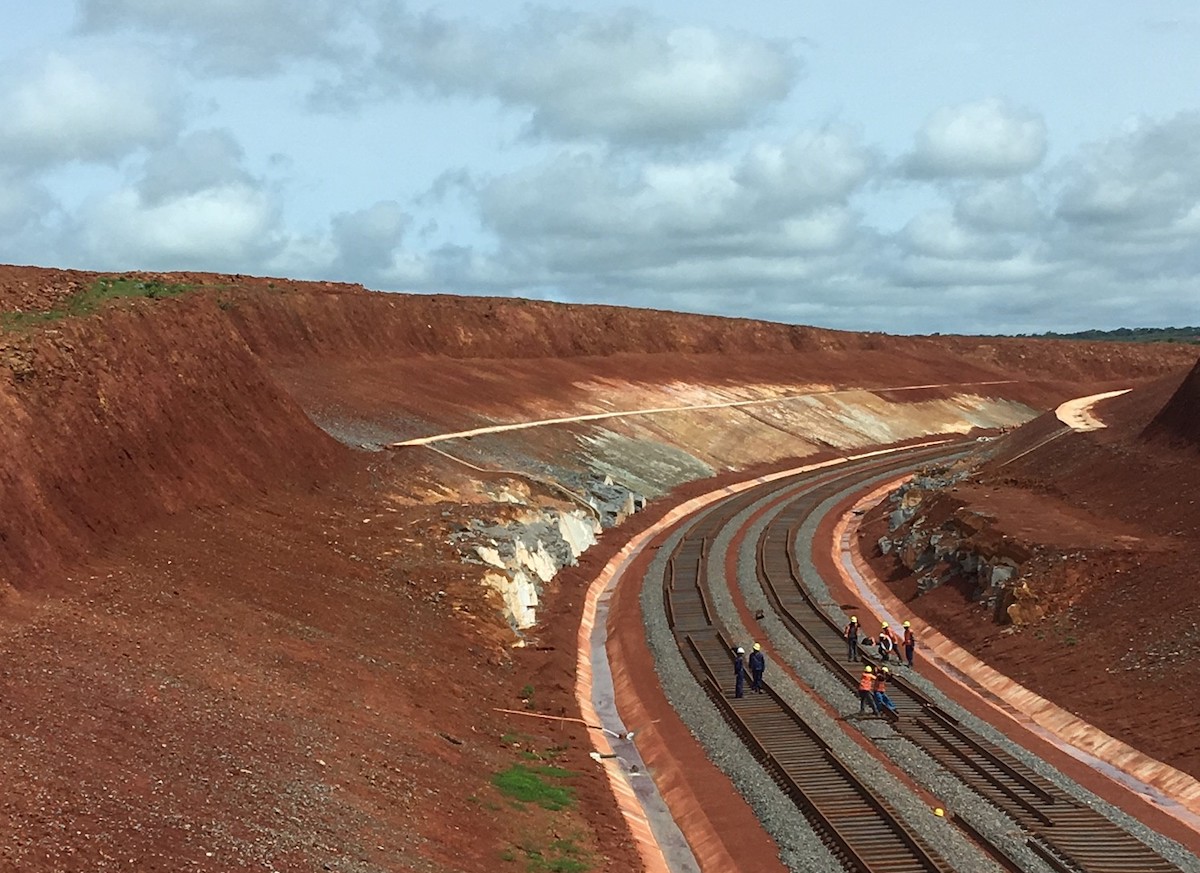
x=863 y=831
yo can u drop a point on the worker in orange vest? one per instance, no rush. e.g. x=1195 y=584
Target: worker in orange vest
x=880 y=691
x=910 y=643
x=866 y=691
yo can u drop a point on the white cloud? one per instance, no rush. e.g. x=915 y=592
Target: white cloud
x=939 y=234
x=240 y=37
x=773 y=192
x=368 y=240
x=22 y=204
x=962 y=272
x=623 y=77
x=815 y=166
x=987 y=138
x=828 y=229
x=745 y=229
x=1147 y=179
x=92 y=107
x=228 y=227
x=1000 y=205
x=198 y=161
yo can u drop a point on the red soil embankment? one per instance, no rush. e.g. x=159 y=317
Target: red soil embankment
x=439 y=358
x=109 y=422
x=1178 y=422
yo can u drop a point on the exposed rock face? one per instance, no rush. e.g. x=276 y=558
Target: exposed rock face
x=529 y=549
x=940 y=540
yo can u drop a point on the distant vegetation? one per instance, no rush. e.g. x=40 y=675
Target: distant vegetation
x=1189 y=335
x=91 y=298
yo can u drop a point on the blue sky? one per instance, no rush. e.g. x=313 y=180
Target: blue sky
x=954 y=167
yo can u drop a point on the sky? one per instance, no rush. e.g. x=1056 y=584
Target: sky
x=943 y=167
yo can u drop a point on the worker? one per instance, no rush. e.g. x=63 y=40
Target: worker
x=866 y=691
x=739 y=672
x=758 y=663
x=880 y=689
x=910 y=643
x=886 y=644
x=850 y=632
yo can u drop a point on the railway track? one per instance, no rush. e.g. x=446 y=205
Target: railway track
x=863 y=831
x=1069 y=836
x=859 y=829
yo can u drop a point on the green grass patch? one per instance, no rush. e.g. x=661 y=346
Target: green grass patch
x=561 y=856
x=112 y=288
x=529 y=784
x=85 y=302
x=566 y=857
x=21 y=319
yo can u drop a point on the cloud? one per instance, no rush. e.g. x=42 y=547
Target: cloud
x=939 y=234
x=192 y=205
x=201 y=160
x=1146 y=180
x=813 y=167
x=772 y=192
x=1007 y=205
x=23 y=204
x=245 y=38
x=926 y=272
x=748 y=227
x=626 y=77
x=27 y=210
x=228 y=227
x=368 y=240
x=92 y=107
x=988 y=138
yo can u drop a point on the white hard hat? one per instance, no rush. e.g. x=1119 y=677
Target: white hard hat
x=740 y=650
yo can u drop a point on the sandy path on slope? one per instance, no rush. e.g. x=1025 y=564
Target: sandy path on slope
x=1077 y=414
x=598 y=416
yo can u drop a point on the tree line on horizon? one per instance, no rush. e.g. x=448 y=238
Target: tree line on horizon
x=1190 y=335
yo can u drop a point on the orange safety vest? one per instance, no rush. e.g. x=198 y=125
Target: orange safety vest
x=909 y=638
x=880 y=683
x=866 y=683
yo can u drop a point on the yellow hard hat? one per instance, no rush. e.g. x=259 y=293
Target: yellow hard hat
x=885 y=624
x=886 y=670
x=757 y=647
x=854 y=618
x=906 y=624
x=867 y=669
x=939 y=812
